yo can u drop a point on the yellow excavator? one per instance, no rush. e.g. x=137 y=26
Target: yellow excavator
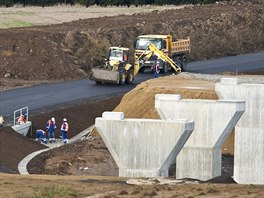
x=117 y=69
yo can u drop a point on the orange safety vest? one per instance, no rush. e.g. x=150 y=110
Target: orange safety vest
x=21 y=118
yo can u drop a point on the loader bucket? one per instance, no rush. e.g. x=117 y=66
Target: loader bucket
x=104 y=76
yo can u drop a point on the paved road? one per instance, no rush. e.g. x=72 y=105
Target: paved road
x=41 y=97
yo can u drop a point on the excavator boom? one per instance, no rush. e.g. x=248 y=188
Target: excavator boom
x=153 y=50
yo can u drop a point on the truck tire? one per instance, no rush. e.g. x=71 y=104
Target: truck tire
x=130 y=76
x=142 y=69
x=184 y=63
x=165 y=68
x=122 y=77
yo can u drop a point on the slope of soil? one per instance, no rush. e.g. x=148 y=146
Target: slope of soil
x=13 y=148
x=68 y=50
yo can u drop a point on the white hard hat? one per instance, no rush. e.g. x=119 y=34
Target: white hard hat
x=53 y=119
x=64 y=120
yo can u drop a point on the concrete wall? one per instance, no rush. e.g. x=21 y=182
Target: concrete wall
x=249 y=133
x=214 y=120
x=143 y=147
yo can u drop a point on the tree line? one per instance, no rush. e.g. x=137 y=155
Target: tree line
x=87 y=3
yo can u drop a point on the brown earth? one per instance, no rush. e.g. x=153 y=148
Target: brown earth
x=13 y=148
x=96 y=186
x=63 y=51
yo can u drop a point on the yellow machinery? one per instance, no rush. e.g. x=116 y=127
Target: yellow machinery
x=175 y=50
x=118 y=70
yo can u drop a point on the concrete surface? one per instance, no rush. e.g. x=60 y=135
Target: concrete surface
x=214 y=120
x=249 y=133
x=144 y=147
x=22 y=166
x=249 y=155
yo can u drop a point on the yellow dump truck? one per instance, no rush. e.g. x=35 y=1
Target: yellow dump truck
x=175 y=50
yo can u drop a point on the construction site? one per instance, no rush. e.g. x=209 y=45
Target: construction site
x=181 y=134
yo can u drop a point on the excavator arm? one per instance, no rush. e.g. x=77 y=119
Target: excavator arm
x=153 y=50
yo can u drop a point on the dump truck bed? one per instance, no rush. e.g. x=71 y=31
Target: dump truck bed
x=181 y=46
x=100 y=75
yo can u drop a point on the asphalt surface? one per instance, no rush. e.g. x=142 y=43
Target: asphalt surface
x=51 y=96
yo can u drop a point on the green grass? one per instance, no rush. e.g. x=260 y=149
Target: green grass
x=55 y=191
x=17 y=23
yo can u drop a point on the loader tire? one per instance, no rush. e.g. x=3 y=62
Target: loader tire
x=122 y=77
x=130 y=76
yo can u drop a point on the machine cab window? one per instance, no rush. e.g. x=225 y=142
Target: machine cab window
x=143 y=43
x=116 y=54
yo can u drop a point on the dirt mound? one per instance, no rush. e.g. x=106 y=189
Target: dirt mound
x=65 y=51
x=83 y=158
x=13 y=148
x=140 y=102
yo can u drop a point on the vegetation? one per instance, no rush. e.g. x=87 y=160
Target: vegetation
x=56 y=191
x=9 y=3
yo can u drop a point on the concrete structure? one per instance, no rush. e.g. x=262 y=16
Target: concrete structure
x=249 y=133
x=214 y=120
x=143 y=147
x=22 y=128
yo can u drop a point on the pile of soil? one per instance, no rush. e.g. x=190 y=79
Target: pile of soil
x=68 y=50
x=13 y=148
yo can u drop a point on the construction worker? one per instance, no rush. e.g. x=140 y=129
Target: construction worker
x=156 y=69
x=64 y=130
x=40 y=134
x=1 y=121
x=21 y=119
x=51 y=126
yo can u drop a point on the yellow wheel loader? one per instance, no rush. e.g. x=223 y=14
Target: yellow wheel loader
x=117 y=69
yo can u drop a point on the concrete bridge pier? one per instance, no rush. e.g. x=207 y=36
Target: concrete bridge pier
x=143 y=147
x=214 y=120
x=249 y=132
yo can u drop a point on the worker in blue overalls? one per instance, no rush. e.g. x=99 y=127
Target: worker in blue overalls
x=51 y=126
x=40 y=134
x=64 y=130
